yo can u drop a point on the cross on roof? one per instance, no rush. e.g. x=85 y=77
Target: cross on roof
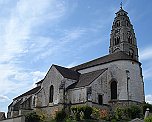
x=121 y=5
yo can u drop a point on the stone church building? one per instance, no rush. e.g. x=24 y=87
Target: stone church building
x=112 y=80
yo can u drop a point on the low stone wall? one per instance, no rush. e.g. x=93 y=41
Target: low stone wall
x=16 y=119
x=50 y=111
x=123 y=103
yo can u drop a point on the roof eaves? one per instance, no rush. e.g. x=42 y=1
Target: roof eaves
x=28 y=92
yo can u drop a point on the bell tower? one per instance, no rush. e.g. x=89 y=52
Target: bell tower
x=122 y=37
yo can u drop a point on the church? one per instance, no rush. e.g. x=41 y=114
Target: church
x=107 y=82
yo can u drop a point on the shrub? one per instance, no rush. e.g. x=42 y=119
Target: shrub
x=95 y=113
x=127 y=113
x=60 y=116
x=119 y=113
x=132 y=112
x=84 y=112
x=110 y=116
x=42 y=114
x=135 y=112
x=148 y=119
x=77 y=112
x=32 y=117
x=87 y=111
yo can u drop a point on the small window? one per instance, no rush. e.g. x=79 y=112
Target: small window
x=89 y=93
x=34 y=101
x=113 y=90
x=100 y=99
x=117 y=40
x=117 y=23
x=51 y=94
x=89 y=97
x=130 y=40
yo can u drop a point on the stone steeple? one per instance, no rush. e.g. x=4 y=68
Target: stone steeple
x=122 y=37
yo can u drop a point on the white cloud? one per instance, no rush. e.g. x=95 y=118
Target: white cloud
x=54 y=45
x=37 y=76
x=16 y=35
x=4 y=98
x=12 y=79
x=148 y=98
x=146 y=54
x=26 y=15
x=72 y=65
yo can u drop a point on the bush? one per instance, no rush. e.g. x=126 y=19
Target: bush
x=84 y=112
x=148 y=119
x=87 y=111
x=127 y=113
x=77 y=112
x=109 y=117
x=60 y=116
x=32 y=117
x=119 y=113
x=95 y=113
x=134 y=112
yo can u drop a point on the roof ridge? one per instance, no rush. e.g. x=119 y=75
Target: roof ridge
x=64 y=68
x=67 y=73
x=95 y=71
x=120 y=55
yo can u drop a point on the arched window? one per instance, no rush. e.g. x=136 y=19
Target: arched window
x=51 y=94
x=113 y=90
x=33 y=100
x=130 y=40
x=117 y=40
x=118 y=23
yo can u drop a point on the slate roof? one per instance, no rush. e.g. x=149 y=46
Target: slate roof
x=27 y=98
x=16 y=104
x=87 y=78
x=68 y=73
x=30 y=92
x=105 y=59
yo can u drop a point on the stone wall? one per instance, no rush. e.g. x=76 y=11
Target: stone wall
x=117 y=69
x=16 y=119
x=100 y=87
x=50 y=111
x=77 y=95
x=53 y=77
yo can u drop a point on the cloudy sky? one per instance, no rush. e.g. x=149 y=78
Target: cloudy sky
x=34 y=34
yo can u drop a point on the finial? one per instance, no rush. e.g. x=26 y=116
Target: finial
x=121 y=5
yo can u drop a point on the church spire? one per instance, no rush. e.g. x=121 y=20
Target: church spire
x=122 y=37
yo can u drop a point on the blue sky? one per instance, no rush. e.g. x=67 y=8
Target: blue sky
x=34 y=34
